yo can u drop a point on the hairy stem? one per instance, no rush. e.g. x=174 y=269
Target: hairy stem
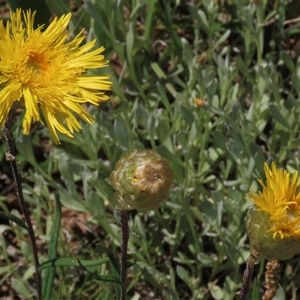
x=10 y=156
x=124 y=244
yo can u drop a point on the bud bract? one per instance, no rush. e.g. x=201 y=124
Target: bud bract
x=263 y=241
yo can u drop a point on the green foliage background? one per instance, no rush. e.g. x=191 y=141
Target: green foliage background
x=240 y=57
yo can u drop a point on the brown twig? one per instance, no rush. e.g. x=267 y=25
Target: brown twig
x=10 y=156
x=250 y=263
x=124 y=244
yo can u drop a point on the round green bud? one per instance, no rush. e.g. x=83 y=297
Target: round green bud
x=142 y=180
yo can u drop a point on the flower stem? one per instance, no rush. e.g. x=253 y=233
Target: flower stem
x=250 y=263
x=124 y=244
x=10 y=156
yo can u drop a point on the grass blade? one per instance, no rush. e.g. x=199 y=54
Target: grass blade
x=50 y=273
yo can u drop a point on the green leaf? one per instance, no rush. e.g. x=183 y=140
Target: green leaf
x=183 y=275
x=130 y=263
x=72 y=262
x=296 y=82
x=109 y=253
x=43 y=13
x=216 y=291
x=287 y=60
x=14 y=219
x=122 y=134
x=20 y=288
x=97 y=207
x=276 y=114
x=222 y=39
x=280 y=294
x=203 y=20
x=59 y=7
x=24 y=146
x=71 y=201
x=158 y=71
x=107 y=278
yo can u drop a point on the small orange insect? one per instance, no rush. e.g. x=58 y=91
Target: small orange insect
x=200 y=102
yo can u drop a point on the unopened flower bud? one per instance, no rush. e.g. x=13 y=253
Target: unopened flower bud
x=142 y=180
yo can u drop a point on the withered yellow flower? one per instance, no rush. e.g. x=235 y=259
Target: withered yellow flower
x=43 y=72
x=273 y=225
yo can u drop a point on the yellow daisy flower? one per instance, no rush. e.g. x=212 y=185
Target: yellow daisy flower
x=280 y=199
x=46 y=74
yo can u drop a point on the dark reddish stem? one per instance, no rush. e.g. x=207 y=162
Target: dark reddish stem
x=124 y=245
x=10 y=156
x=250 y=264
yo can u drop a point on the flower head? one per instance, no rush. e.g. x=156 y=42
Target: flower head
x=46 y=74
x=273 y=225
x=280 y=199
x=142 y=180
